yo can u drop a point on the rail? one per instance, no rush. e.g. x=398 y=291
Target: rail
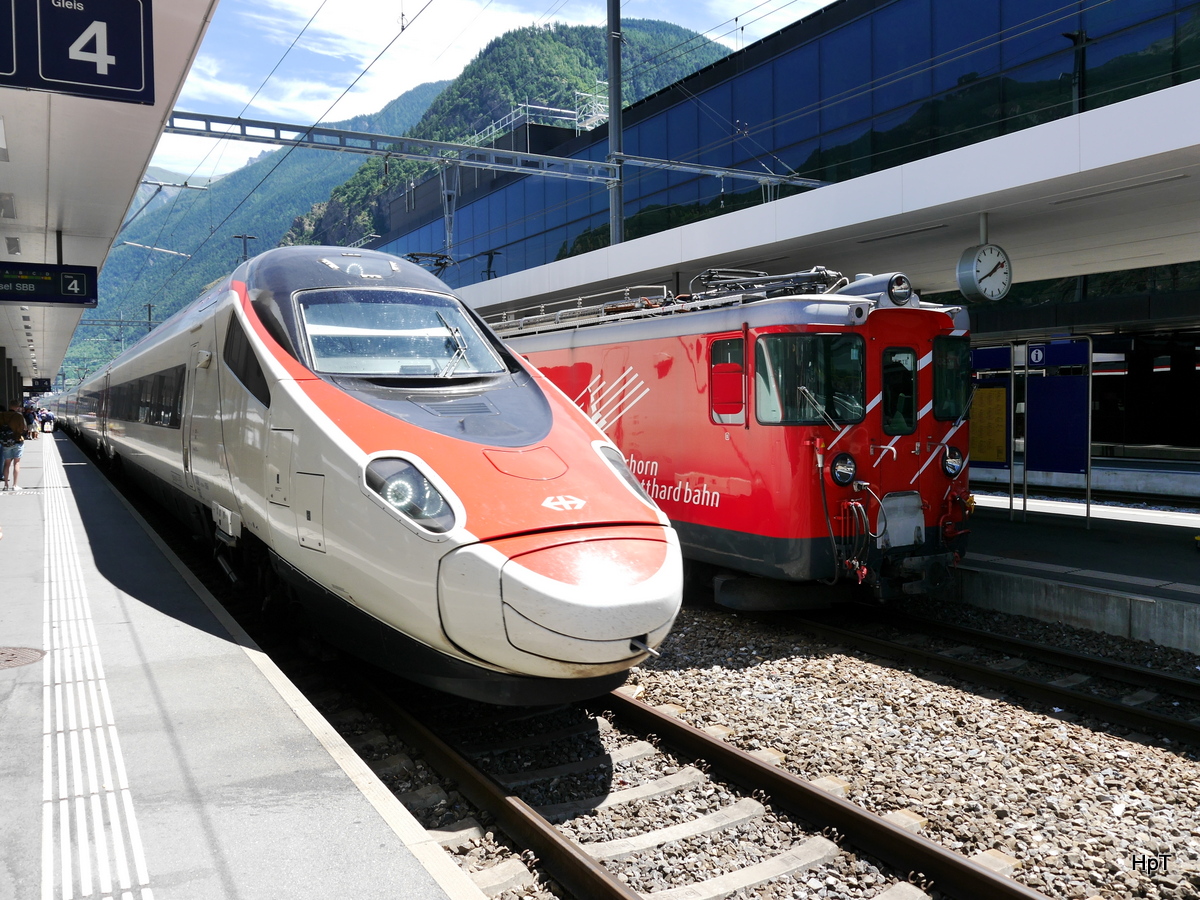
x=1106 y=710
x=581 y=873
x=562 y=858
x=865 y=831
x=1114 y=670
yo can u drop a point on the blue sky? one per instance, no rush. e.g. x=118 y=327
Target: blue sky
x=248 y=39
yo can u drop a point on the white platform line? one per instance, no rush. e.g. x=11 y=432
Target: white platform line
x=89 y=826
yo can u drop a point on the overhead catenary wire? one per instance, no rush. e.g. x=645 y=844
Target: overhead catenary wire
x=245 y=106
x=710 y=35
x=289 y=150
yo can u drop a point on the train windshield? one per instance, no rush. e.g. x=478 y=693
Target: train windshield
x=390 y=332
x=809 y=379
x=951 y=376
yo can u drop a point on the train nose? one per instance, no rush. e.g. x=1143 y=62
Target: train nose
x=563 y=604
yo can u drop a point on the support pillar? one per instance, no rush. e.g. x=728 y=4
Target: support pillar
x=1182 y=383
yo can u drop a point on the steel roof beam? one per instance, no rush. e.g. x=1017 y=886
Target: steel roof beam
x=319 y=138
x=763 y=177
x=516 y=161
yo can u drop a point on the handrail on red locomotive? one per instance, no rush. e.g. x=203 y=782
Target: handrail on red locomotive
x=719 y=287
x=817 y=280
x=576 y=311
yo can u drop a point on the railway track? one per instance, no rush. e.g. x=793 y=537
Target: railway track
x=1163 y=703
x=480 y=767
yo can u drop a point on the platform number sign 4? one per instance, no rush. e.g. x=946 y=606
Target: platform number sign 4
x=95 y=34
x=91 y=48
x=97 y=42
x=73 y=284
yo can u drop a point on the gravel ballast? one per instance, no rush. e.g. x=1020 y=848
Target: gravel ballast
x=1086 y=809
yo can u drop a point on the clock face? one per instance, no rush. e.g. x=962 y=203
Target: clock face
x=984 y=273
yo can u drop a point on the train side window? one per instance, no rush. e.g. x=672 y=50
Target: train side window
x=145 y=399
x=951 y=376
x=899 y=405
x=809 y=379
x=170 y=407
x=240 y=358
x=727 y=381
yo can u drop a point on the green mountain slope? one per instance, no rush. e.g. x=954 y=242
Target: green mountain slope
x=262 y=198
x=311 y=196
x=548 y=65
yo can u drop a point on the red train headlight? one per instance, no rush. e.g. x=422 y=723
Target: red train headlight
x=410 y=493
x=842 y=469
x=952 y=462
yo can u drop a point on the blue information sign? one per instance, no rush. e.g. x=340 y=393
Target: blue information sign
x=8 y=39
x=984 y=358
x=1056 y=423
x=91 y=48
x=1059 y=353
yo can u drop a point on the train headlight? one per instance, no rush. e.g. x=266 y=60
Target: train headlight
x=842 y=469
x=617 y=461
x=952 y=462
x=409 y=492
x=899 y=290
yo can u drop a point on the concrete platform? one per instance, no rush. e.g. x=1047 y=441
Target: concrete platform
x=1129 y=572
x=147 y=744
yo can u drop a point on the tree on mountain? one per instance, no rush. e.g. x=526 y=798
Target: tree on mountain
x=549 y=65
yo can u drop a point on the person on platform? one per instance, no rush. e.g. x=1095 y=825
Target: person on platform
x=11 y=455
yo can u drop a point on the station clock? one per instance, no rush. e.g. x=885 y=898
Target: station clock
x=984 y=272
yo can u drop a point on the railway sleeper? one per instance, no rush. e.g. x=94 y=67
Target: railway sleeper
x=668 y=784
x=813 y=852
x=511 y=874
x=631 y=753
x=745 y=810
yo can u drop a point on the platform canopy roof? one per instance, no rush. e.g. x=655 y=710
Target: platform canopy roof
x=70 y=166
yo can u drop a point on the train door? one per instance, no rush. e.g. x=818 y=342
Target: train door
x=102 y=410
x=185 y=432
x=937 y=445
x=205 y=463
x=897 y=455
x=727 y=380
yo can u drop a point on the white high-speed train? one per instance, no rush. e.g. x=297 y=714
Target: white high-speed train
x=340 y=423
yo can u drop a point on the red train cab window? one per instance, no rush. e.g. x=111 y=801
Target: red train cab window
x=951 y=377
x=809 y=379
x=899 y=404
x=727 y=381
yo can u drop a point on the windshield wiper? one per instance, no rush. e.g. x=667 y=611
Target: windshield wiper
x=967 y=408
x=811 y=398
x=459 y=354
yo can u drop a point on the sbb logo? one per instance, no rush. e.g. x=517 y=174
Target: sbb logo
x=563 y=503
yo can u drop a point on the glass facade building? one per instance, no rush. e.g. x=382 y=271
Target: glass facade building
x=857 y=87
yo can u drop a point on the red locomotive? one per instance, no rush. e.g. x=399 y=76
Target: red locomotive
x=801 y=427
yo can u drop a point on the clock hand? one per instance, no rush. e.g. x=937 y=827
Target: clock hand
x=999 y=265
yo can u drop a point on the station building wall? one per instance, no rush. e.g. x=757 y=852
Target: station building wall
x=858 y=87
